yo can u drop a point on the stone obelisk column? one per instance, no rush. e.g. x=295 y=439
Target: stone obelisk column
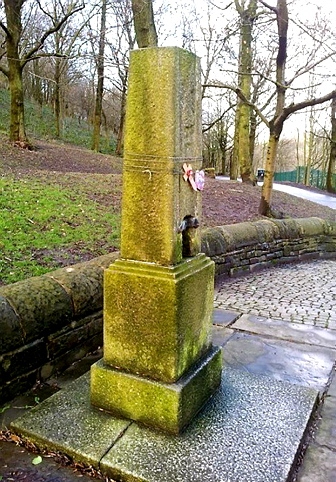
x=159 y=365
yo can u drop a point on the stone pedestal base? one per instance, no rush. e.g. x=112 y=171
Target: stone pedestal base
x=168 y=407
x=157 y=319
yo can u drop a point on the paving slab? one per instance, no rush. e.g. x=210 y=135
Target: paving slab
x=332 y=388
x=250 y=430
x=67 y=423
x=326 y=434
x=224 y=317
x=221 y=335
x=319 y=465
x=301 y=364
x=16 y=465
x=298 y=333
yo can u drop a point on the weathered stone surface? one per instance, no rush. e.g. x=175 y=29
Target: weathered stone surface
x=41 y=304
x=224 y=317
x=63 y=361
x=312 y=226
x=300 y=364
x=162 y=131
x=12 y=334
x=66 y=422
x=157 y=320
x=84 y=284
x=295 y=332
x=18 y=385
x=332 y=388
x=221 y=335
x=250 y=431
x=16 y=464
x=23 y=360
x=319 y=465
x=326 y=433
x=73 y=335
x=168 y=407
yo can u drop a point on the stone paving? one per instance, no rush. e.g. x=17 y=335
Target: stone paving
x=301 y=293
x=261 y=306
x=277 y=329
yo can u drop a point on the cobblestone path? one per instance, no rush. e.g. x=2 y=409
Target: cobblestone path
x=301 y=293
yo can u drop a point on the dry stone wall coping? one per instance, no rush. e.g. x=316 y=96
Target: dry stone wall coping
x=39 y=306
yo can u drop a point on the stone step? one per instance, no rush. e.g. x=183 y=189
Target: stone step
x=251 y=430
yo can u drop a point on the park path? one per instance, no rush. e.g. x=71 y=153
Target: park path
x=316 y=197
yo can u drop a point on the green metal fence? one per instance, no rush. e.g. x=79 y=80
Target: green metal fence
x=317 y=178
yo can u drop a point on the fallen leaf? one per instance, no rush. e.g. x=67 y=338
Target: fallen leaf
x=15 y=438
x=37 y=460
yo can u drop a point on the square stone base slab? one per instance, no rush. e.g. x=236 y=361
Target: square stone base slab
x=169 y=407
x=249 y=431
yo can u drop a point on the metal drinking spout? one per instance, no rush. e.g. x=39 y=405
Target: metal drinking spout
x=190 y=241
x=187 y=223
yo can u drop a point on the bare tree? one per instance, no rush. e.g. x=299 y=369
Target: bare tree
x=281 y=113
x=17 y=57
x=120 y=47
x=100 y=81
x=242 y=149
x=331 y=172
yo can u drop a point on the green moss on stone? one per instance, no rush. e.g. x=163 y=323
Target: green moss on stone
x=157 y=320
x=168 y=407
x=162 y=132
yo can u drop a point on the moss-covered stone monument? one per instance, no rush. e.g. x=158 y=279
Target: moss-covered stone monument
x=159 y=365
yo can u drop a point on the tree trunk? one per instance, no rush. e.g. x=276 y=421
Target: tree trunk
x=266 y=196
x=276 y=124
x=100 y=82
x=310 y=148
x=143 y=16
x=242 y=124
x=252 y=137
x=331 y=185
x=120 y=137
x=57 y=97
x=17 y=131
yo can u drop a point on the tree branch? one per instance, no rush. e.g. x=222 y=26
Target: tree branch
x=292 y=108
x=307 y=68
x=5 y=29
x=273 y=9
x=209 y=126
x=242 y=97
x=56 y=28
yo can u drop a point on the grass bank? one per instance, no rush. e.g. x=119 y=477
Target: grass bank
x=44 y=226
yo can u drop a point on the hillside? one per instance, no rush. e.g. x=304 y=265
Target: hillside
x=87 y=223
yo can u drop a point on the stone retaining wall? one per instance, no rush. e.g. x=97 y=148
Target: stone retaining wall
x=48 y=322
x=250 y=246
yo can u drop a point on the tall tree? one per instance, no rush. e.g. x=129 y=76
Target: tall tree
x=241 y=151
x=144 y=25
x=100 y=80
x=276 y=125
x=281 y=113
x=331 y=172
x=18 y=57
x=122 y=43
